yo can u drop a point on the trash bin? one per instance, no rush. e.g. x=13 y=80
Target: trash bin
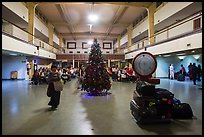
x=14 y=74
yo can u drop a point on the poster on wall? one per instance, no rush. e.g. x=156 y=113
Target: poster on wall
x=107 y=45
x=71 y=45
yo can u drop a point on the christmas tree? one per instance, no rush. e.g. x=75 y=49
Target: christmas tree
x=96 y=79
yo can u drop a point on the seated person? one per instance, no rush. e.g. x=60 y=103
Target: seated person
x=36 y=77
x=130 y=75
x=65 y=76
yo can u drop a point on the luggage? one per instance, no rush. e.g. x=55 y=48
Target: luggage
x=163 y=93
x=145 y=89
x=14 y=74
x=146 y=114
x=176 y=101
x=181 y=77
x=182 y=111
x=143 y=100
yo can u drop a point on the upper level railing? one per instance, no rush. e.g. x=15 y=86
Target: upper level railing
x=21 y=34
x=167 y=33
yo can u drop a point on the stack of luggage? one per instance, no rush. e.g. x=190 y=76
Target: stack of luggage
x=152 y=104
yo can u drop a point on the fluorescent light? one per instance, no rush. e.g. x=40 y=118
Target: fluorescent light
x=181 y=57
x=193 y=51
x=13 y=54
x=90 y=42
x=181 y=54
x=167 y=55
x=93 y=17
x=196 y=56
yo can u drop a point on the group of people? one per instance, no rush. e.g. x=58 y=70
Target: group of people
x=194 y=72
x=41 y=75
x=121 y=74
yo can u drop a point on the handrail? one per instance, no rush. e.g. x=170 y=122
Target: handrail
x=187 y=19
x=50 y=49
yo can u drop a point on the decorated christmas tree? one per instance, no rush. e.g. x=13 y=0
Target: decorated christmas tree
x=96 y=79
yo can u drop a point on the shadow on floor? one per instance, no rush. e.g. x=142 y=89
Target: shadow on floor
x=34 y=123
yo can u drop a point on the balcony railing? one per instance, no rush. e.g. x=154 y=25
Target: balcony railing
x=21 y=34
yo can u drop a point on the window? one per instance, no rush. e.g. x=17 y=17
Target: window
x=85 y=52
x=196 y=24
x=70 y=51
x=78 y=51
x=107 y=52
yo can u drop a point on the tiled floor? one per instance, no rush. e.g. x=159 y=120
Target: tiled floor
x=25 y=111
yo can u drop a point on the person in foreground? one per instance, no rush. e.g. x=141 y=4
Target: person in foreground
x=54 y=95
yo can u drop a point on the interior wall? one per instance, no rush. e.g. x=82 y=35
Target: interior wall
x=13 y=63
x=164 y=62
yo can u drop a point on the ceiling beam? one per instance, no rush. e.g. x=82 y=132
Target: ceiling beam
x=120 y=12
x=135 y=4
x=88 y=34
x=99 y=24
x=65 y=18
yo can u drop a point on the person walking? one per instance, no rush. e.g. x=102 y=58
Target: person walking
x=54 y=95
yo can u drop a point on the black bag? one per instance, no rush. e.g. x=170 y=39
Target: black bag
x=143 y=100
x=161 y=93
x=176 y=101
x=164 y=102
x=145 y=89
x=182 y=111
x=181 y=77
x=146 y=114
x=48 y=91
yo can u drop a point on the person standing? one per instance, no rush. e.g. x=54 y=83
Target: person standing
x=199 y=72
x=80 y=76
x=194 y=73
x=54 y=95
x=171 y=69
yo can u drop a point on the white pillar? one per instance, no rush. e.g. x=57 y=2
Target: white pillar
x=109 y=63
x=73 y=63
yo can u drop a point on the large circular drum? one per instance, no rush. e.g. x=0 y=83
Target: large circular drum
x=144 y=64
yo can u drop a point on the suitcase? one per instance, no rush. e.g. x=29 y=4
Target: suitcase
x=182 y=111
x=145 y=115
x=181 y=77
x=145 y=89
x=143 y=100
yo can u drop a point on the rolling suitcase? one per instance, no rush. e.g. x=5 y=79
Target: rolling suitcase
x=182 y=111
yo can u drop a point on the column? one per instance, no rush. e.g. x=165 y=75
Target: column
x=31 y=71
x=151 y=11
x=118 y=39
x=60 y=40
x=51 y=32
x=78 y=64
x=109 y=63
x=73 y=63
x=31 y=17
x=129 y=31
